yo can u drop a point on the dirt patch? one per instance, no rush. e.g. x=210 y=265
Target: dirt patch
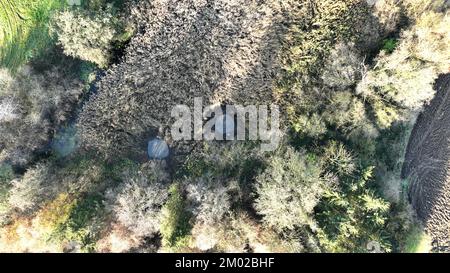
x=427 y=164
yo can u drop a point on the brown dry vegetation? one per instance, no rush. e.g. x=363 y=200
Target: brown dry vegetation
x=218 y=50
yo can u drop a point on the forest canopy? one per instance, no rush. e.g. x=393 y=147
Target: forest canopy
x=84 y=88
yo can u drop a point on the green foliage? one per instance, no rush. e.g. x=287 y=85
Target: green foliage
x=288 y=190
x=24 y=29
x=337 y=20
x=6 y=175
x=310 y=46
x=117 y=170
x=347 y=113
x=56 y=212
x=85 y=210
x=391 y=146
x=86 y=35
x=82 y=223
x=312 y=126
x=386 y=114
x=87 y=72
x=352 y=217
x=322 y=70
x=402 y=82
x=175 y=225
x=142 y=194
x=338 y=160
x=195 y=166
x=417 y=241
x=397 y=87
x=231 y=160
x=47 y=180
x=389 y=45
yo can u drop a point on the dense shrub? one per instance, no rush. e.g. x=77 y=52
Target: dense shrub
x=354 y=217
x=211 y=200
x=338 y=159
x=338 y=20
x=56 y=212
x=312 y=125
x=320 y=62
x=45 y=181
x=35 y=104
x=343 y=67
x=86 y=35
x=175 y=225
x=6 y=176
x=402 y=82
x=415 y=8
x=348 y=114
x=64 y=224
x=240 y=233
x=140 y=200
x=220 y=159
x=26 y=235
x=81 y=229
x=288 y=190
x=30 y=191
x=389 y=14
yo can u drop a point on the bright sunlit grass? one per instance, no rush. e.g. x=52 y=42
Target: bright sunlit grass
x=418 y=242
x=24 y=29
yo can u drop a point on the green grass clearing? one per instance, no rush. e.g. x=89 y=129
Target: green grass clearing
x=24 y=29
x=417 y=241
